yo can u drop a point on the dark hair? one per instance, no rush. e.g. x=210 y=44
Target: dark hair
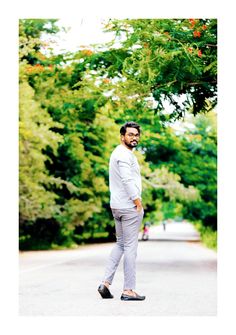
x=130 y=124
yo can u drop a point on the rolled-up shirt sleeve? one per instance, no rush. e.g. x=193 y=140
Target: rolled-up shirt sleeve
x=127 y=179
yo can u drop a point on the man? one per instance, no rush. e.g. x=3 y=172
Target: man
x=126 y=205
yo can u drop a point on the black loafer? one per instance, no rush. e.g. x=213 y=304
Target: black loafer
x=104 y=291
x=127 y=297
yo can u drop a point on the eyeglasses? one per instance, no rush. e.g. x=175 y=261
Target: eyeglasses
x=133 y=135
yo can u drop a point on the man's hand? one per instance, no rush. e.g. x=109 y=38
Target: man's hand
x=139 y=205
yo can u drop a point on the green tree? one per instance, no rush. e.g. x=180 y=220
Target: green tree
x=72 y=106
x=201 y=158
x=192 y=156
x=165 y=59
x=77 y=162
x=34 y=136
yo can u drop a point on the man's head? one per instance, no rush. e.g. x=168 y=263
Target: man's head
x=130 y=134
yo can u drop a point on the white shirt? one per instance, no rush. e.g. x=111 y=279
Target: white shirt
x=124 y=178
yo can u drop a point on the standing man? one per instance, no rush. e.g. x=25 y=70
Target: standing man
x=126 y=205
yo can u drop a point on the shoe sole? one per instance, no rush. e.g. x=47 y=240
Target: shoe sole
x=131 y=299
x=105 y=296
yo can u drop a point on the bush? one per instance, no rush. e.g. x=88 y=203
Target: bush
x=208 y=236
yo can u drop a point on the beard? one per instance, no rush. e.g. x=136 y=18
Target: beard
x=131 y=144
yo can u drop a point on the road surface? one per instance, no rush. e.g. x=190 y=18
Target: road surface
x=174 y=270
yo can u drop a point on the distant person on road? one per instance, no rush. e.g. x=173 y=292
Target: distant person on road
x=164 y=224
x=145 y=235
x=126 y=206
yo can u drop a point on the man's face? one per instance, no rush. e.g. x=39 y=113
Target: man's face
x=131 y=137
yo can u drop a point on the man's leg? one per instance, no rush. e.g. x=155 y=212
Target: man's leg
x=117 y=251
x=131 y=222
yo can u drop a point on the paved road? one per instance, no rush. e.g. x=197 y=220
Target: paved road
x=175 y=272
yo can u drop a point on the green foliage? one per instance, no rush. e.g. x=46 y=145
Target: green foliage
x=71 y=109
x=35 y=27
x=191 y=156
x=168 y=58
x=208 y=236
x=36 y=201
x=201 y=158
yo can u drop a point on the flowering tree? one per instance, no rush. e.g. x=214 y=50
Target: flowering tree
x=165 y=59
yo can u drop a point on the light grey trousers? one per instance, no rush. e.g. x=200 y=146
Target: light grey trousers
x=127 y=225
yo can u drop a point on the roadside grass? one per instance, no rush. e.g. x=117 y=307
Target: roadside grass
x=208 y=236
x=26 y=243
x=85 y=238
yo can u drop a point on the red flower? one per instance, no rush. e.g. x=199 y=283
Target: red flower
x=199 y=53
x=87 y=52
x=38 y=68
x=204 y=27
x=196 y=33
x=190 y=49
x=192 y=21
